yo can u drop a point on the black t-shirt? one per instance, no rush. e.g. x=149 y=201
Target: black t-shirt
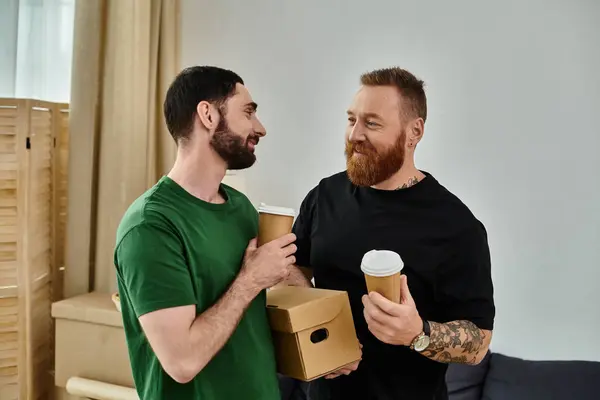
x=446 y=259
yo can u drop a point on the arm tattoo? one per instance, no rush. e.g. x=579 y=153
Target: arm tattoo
x=456 y=342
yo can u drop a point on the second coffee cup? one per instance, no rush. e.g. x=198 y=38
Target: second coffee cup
x=274 y=222
x=382 y=269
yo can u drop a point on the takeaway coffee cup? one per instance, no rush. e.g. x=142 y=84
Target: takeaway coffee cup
x=382 y=270
x=274 y=222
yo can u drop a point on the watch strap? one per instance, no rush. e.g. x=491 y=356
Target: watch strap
x=426 y=332
x=426 y=328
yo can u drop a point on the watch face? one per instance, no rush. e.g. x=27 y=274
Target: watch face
x=421 y=343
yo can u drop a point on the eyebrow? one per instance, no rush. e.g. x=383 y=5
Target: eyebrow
x=366 y=115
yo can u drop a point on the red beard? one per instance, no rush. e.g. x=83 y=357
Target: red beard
x=371 y=167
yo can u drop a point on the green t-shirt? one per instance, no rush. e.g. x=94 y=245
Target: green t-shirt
x=174 y=249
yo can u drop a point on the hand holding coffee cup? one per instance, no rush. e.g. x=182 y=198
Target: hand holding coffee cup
x=269 y=264
x=382 y=269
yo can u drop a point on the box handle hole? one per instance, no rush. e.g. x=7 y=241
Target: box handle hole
x=319 y=335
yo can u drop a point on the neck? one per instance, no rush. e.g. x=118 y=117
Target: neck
x=405 y=177
x=199 y=170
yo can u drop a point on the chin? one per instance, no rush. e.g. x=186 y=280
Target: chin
x=241 y=165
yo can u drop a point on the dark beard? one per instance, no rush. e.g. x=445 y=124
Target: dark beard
x=372 y=167
x=232 y=147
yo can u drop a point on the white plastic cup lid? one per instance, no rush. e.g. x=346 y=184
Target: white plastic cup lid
x=381 y=263
x=276 y=210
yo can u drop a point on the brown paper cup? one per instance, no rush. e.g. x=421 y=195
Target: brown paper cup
x=387 y=286
x=273 y=223
x=382 y=269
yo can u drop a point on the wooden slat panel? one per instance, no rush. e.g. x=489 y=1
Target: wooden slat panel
x=7 y=131
x=61 y=181
x=9 y=307
x=7 y=157
x=8 y=184
x=8 y=274
x=8 y=374
x=41 y=121
x=34 y=181
x=8 y=323
x=9 y=392
x=8 y=358
x=8 y=251
x=8 y=238
x=40 y=198
x=7 y=122
x=8 y=117
x=8 y=112
x=8 y=320
x=8 y=147
x=41 y=335
x=7 y=227
x=9 y=167
x=23 y=132
x=10 y=212
x=8 y=174
x=41 y=265
x=8 y=380
x=8 y=197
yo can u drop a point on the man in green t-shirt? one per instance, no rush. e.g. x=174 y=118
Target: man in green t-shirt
x=191 y=279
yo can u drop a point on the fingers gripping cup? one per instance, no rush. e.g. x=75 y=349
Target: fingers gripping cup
x=382 y=270
x=274 y=222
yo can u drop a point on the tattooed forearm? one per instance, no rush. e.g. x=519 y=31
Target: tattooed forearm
x=457 y=342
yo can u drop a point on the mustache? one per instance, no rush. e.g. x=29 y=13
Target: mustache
x=253 y=137
x=362 y=147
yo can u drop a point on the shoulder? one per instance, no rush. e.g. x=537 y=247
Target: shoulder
x=148 y=214
x=450 y=209
x=454 y=212
x=336 y=181
x=332 y=185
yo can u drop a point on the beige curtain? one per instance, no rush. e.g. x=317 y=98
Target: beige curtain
x=126 y=52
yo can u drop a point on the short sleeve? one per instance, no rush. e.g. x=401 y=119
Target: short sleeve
x=151 y=265
x=464 y=287
x=302 y=229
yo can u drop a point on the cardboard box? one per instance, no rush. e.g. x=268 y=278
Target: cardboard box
x=313 y=331
x=90 y=341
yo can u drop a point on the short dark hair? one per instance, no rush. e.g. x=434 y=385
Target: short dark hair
x=410 y=87
x=190 y=87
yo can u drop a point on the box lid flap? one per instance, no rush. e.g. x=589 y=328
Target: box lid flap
x=94 y=307
x=293 y=309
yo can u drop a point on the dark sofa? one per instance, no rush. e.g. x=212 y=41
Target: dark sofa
x=499 y=377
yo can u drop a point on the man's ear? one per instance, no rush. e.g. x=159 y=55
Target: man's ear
x=208 y=115
x=415 y=131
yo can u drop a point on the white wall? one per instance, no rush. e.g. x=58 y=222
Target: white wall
x=36 y=47
x=514 y=95
x=9 y=17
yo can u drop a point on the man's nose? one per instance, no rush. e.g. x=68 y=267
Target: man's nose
x=356 y=134
x=259 y=129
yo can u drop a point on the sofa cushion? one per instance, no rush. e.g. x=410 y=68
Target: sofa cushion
x=465 y=382
x=517 y=379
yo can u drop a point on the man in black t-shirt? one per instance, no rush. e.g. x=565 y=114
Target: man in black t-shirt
x=382 y=201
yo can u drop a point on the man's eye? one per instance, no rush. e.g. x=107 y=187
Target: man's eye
x=351 y=121
x=372 y=124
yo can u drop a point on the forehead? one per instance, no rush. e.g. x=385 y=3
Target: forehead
x=241 y=97
x=382 y=100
